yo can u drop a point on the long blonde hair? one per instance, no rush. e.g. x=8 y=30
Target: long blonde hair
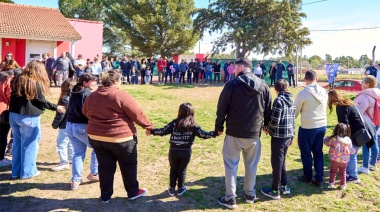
x=26 y=83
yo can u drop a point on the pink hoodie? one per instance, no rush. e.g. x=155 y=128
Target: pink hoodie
x=365 y=101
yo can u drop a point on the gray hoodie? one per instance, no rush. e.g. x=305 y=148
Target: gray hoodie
x=311 y=102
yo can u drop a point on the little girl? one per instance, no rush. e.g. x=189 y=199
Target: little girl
x=133 y=75
x=64 y=147
x=183 y=131
x=148 y=74
x=340 y=149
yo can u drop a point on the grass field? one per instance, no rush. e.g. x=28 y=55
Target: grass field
x=50 y=191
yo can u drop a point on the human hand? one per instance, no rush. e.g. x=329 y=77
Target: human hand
x=147 y=132
x=219 y=133
x=61 y=109
x=291 y=142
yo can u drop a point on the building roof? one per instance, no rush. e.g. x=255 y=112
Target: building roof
x=24 y=21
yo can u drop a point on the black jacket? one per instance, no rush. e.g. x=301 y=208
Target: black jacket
x=34 y=107
x=74 y=112
x=182 y=139
x=350 y=115
x=245 y=102
x=60 y=118
x=125 y=65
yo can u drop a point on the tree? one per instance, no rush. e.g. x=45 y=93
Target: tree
x=161 y=27
x=223 y=56
x=328 y=58
x=259 y=26
x=7 y=1
x=363 y=60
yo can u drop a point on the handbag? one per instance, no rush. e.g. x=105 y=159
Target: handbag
x=362 y=136
x=4 y=117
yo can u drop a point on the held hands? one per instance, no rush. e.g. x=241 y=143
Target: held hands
x=265 y=130
x=61 y=109
x=147 y=132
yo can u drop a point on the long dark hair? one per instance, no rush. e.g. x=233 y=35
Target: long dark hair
x=341 y=130
x=66 y=87
x=186 y=118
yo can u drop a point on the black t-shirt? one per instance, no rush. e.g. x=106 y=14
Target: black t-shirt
x=217 y=68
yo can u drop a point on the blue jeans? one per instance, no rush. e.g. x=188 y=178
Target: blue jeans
x=168 y=73
x=64 y=147
x=311 y=143
x=225 y=76
x=352 y=165
x=208 y=75
x=135 y=79
x=26 y=136
x=127 y=73
x=371 y=157
x=79 y=139
x=147 y=79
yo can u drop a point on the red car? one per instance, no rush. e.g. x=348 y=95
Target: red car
x=347 y=85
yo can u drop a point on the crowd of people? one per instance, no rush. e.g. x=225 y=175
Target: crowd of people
x=244 y=111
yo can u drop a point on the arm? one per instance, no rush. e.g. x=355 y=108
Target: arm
x=204 y=134
x=276 y=114
x=163 y=131
x=222 y=108
x=41 y=103
x=267 y=105
x=328 y=141
x=298 y=102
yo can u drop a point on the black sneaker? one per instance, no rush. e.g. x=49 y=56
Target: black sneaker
x=318 y=184
x=182 y=190
x=269 y=192
x=304 y=180
x=171 y=191
x=231 y=204
x=285 y=189
x=250 y=199
x=350 y=179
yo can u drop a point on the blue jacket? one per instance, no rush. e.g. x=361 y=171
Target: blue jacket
x=280 y=69
x=372 y=70
x=291 y=71
x=182 y=67
x=125 y=65
x=50 y=63
x=225 y=66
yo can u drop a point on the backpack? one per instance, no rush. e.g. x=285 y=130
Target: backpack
x=376 y=113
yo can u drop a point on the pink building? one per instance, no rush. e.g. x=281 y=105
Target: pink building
x=29 y=31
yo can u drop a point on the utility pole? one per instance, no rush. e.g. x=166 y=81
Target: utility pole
x=296 y=66
x=373 y=54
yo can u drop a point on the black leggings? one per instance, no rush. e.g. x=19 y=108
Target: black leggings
x=178 y=160
x=4 y=130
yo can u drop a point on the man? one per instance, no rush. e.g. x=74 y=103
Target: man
x=371 y=70
x=225 y=66
x=263 y=69
x=125 y=67
x=208 y=70
x=280 y=69
x=216 y=69
x=168 y=70
x=182 y=70
x=311 y=102
x=202 y=67
x=257 y=71
x=79 y=62
x=50 y=63
x=244 y=104
x=290 y=69
x=196 y=68
x=63 y=65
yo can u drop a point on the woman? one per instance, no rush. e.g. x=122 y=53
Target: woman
x=272 y=74
x=27 y=103
x=365 y=102
x=76 y=124
x=5 y=95
x=116 y=63
x=347 y=113
x=114 y=139
x=143 y=68
x=8 y=63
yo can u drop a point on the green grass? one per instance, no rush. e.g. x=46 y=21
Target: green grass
x=205 y=175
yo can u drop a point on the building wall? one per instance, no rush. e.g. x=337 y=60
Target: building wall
x=62 y=46
x=16 y=47
x=92 y=38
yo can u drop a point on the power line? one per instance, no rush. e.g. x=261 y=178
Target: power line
x=334 y=30
x=314 y=2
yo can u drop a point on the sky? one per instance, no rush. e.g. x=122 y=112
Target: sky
x=326 y=14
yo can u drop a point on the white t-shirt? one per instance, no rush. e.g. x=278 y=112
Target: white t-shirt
x=81 y=61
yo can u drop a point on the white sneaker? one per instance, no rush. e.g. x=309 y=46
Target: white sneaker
x=61 y=167
x=5 y=162
x=363 y=170
x=372 y=168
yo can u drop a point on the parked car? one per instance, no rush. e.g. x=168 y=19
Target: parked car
x=347 y=85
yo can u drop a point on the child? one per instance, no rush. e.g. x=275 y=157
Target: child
x=63 y=143
x=133 y=75
x=183 y=131
x=148 y=74
x=340 y=150
x=281 y=128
